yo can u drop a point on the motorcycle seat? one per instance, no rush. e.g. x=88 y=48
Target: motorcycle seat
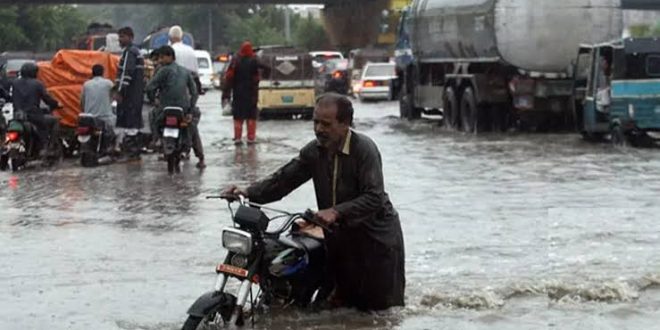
x=301 y=241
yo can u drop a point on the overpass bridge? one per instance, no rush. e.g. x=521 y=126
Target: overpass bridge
x=625 y=4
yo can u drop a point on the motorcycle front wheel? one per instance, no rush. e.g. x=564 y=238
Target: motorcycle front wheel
x=218 y=314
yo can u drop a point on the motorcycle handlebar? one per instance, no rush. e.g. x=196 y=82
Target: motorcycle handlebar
x=308 y=215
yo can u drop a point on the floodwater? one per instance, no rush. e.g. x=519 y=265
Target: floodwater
x=504 y=231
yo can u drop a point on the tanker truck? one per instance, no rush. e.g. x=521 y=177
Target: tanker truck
x=497 y=64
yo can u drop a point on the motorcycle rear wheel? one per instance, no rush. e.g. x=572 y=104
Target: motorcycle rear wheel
x=202 y=323
x=173 y=163
x=88 y=160
x=15 y=165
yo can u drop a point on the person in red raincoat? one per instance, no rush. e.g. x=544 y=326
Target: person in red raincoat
x=241 y=84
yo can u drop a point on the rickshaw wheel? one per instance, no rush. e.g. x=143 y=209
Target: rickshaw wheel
x=619 y=137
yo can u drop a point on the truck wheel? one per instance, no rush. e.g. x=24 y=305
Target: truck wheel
x=450 y=109
x=469 y=111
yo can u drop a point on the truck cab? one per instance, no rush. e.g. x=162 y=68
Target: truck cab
x=617 y=90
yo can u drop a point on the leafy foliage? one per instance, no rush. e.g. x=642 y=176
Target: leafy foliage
x=39 y=28
x=231 y=24
x=645 y=30
x=50 y=27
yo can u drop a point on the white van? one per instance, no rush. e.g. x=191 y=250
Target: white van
x=205 y=69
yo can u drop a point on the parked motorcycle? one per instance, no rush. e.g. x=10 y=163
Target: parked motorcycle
x=174 y=137
x=96 y=141
x=286 y=265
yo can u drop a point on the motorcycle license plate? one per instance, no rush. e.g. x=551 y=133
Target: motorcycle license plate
x=83 y=138
x=171 y=132
x=229 y=269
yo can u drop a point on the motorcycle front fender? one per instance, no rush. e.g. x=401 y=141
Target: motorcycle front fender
x=208 y=301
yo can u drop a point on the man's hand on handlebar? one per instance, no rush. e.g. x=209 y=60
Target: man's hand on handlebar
x=327 y=216
x=232 y=192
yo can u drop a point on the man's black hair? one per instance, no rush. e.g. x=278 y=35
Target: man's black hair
x=126 y=31
x=344 y=106
x=167 y=51
x=97 y=70
x=154 y=54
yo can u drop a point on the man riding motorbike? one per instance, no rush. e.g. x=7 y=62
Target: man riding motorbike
x=174 y=84
x=27 y=94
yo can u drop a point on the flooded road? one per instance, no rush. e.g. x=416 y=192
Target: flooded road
x=502 y=231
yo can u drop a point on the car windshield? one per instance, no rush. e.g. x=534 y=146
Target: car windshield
x=379 y=70
x=321 y=58
x=203 y=63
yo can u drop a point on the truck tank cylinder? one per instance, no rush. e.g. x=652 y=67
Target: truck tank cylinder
x=532 y=35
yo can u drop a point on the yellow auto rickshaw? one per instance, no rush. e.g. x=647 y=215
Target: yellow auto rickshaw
x=286 y=88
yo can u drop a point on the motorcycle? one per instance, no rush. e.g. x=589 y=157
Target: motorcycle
x=96 y=141
x=174 y=130
x=21 y=143
x=287 y=266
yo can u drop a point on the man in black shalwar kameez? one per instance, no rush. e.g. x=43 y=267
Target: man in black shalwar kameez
x=366 y=250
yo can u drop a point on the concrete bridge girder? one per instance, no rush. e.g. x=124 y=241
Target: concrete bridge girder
x=351 y=24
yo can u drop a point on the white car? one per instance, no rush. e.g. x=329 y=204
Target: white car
x=319 y=57
x=205 y=69
x=375 y=82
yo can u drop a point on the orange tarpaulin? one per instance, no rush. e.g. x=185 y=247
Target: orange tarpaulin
x=65 y=74
x=69 y=99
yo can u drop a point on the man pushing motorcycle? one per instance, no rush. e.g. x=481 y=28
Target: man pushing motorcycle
x=365 y=250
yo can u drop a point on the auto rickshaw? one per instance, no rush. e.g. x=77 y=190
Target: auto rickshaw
x=617 y=91
x=286 y=88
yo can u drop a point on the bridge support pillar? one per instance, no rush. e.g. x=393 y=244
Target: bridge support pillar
x=353 y=24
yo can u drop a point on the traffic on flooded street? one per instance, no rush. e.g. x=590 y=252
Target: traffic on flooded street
x=506 y=231
x=337 y=164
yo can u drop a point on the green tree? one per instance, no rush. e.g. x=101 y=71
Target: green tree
x=231 y=24
x=640 y=30
x=310 y=35
x=39 y=28
x=12 y=36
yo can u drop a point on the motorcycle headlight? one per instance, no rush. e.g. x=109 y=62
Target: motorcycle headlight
x=237 y=241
